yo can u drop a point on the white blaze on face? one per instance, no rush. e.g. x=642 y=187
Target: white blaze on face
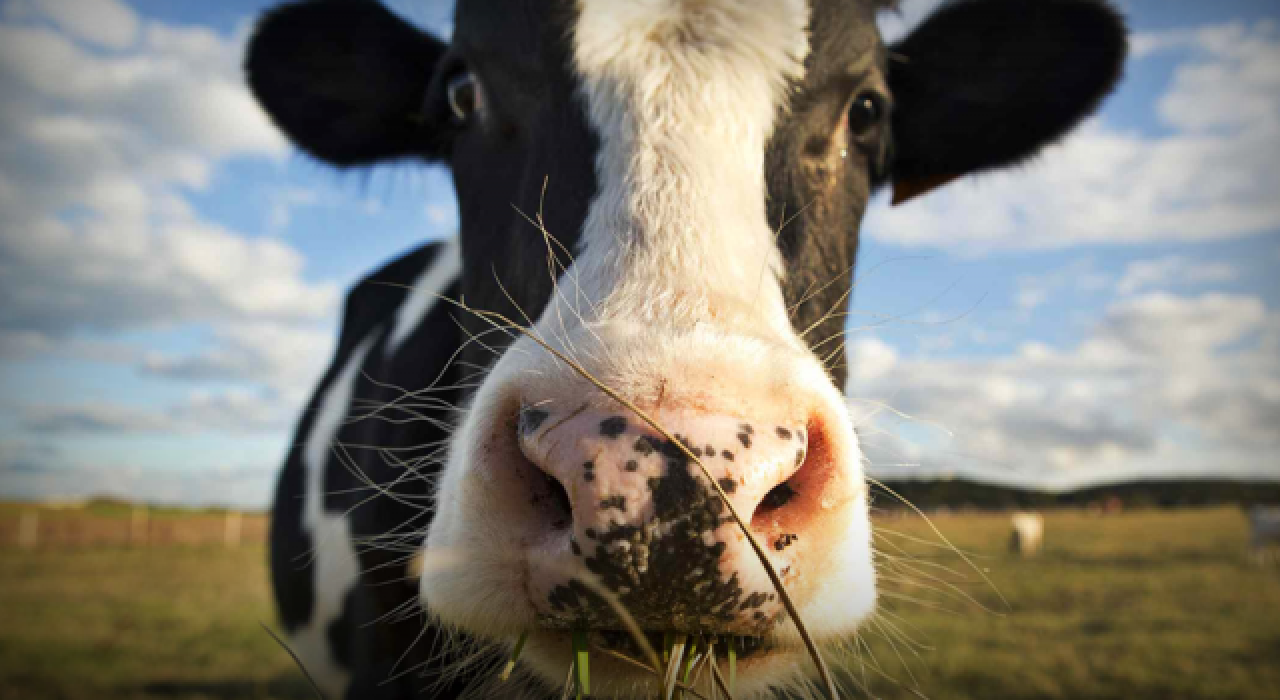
x=684 y=94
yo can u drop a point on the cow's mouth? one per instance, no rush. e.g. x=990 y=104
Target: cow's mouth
x=624 y=643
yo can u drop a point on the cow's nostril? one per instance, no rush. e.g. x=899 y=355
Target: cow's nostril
x=793 y=503
x=548 y=493
x=557 y=502
x=777 y=497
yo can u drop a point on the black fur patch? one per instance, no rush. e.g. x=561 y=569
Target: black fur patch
x=613 y=426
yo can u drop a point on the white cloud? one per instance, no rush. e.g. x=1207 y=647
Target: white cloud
x=1080 y=276
x=285 y=358
x=109 y=124
x=107 y=23
x=1162 y=384
x=145 y=261
x=870 y=358
x=179 y=91
x=1212 y=177
x=1172 y=270
x=95 y=229
x=232 y=411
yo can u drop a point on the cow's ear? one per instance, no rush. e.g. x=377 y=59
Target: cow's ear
x=345 y=80
x=986 y=83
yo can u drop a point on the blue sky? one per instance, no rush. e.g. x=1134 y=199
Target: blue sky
x=172 y=269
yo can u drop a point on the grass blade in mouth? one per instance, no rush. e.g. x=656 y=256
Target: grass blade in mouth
x=720 y=682
x=733 y=661
x=515 y=655
x=568 y=683
x=580 y=662
x=673 y=668
x=711 y=661
x=690 y=658
x=649 y=669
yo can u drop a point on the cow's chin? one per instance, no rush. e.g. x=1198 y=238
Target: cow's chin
x=763 y=664
x=484 y=595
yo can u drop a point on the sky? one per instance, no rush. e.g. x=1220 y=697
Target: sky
x=171 y=269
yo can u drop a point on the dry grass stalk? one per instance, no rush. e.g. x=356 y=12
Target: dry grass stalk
x=648 y=669
x=673 y=668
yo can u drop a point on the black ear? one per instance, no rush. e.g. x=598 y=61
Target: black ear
x=986 y=83
x=345 y=80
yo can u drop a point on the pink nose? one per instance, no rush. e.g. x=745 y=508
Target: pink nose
x=642 y=519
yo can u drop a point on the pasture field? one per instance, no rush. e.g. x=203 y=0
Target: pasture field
x=1138 y=605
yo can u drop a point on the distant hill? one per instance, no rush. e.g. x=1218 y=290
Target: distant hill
x=966 y=494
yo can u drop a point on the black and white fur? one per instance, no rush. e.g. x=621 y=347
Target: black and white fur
x=664 y=143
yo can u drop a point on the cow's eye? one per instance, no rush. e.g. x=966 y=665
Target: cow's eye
x=463 y=91
x=866 y=113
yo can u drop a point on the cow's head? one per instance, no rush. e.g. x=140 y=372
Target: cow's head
x=706 y=164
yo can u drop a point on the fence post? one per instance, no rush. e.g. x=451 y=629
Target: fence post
x=231 y=530
x=138 y=526
x=29 y=530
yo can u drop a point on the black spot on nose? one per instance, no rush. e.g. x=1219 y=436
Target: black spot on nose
x=618 y=502
x=784 y=433
x=745 y=439
x=613 y=426
x=728 y=485
x=644 y=446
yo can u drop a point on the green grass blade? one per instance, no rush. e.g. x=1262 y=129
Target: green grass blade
x=689 y=657
x=582 y=668
x=733 y=661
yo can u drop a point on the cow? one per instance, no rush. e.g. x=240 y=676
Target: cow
x=1027 y=536
x=556 y=415
x=1264 y=532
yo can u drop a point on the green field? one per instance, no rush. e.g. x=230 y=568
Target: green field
x=1140 y=605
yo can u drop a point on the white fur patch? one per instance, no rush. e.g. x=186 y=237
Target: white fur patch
x=684 y=94
x=425 y=293
x=336 y=568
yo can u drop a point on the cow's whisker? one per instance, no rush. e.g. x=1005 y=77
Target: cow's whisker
x=301 y=666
